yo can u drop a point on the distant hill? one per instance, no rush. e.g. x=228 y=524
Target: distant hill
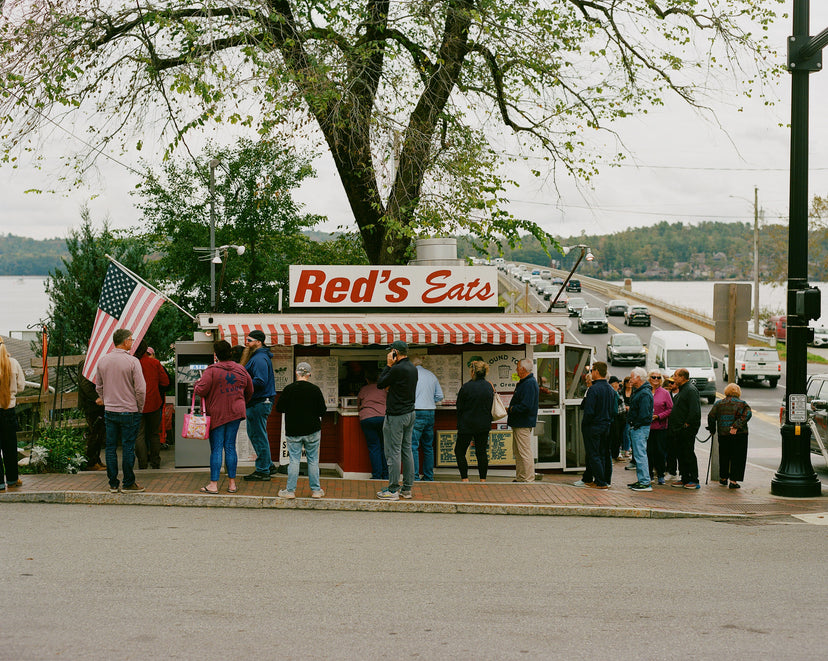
x=20 y=255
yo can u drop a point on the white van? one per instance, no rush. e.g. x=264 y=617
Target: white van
x=669 y=350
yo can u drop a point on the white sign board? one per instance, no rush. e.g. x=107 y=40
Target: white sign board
x=387 y=286
x=798 y=408
x=502 y=367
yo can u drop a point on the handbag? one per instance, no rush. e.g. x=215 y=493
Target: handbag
x=498 y=407
x=196 y=425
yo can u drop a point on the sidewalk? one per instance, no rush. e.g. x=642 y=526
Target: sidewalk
x=555 y=495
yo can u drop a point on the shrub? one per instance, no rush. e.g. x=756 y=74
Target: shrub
x=64 y=449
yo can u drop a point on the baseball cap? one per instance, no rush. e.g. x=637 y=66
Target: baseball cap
x=398 y=345
x=613 y=379
x=257 y=335
x=303 y=369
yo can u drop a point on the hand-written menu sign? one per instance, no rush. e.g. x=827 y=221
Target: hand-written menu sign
x=499 y=451
x=283 y=371
x=449 y=373
x=502 y=366
x=433 y=286
x=325 y=374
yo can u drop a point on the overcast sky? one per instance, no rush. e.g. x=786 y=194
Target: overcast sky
x=682 y=167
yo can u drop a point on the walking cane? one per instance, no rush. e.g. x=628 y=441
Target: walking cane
x=709 y=456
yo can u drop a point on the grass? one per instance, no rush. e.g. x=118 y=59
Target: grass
x=782 y=348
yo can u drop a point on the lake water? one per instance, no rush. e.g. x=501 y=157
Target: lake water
x=23 y=300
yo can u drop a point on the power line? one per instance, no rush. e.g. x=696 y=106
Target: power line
x=638 y=212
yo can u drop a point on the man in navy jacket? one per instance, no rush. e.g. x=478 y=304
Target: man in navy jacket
x=600 y=407
x=260 y=368
x=522 y=418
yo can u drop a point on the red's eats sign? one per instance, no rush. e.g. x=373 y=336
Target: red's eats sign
x=378 y=286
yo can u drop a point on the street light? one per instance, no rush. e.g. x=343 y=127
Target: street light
x=586 y=252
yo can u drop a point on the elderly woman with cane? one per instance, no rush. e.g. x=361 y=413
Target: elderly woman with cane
x=728 y=418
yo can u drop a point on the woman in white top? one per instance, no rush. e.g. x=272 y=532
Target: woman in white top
x=11 y=383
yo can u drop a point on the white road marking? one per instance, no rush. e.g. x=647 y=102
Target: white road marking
x=813 y=519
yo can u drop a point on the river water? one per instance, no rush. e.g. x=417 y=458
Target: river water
x=23 y=300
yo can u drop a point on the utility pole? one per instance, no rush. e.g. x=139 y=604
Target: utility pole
x=756 y=260
x=213 y=163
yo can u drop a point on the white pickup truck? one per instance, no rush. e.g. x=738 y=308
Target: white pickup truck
x=754 y=364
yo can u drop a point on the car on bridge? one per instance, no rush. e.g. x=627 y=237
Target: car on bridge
x=575 y=305
x=616 y=308
x=573 y=286
x=593 y=320
x=626 y=348
x=637 y=315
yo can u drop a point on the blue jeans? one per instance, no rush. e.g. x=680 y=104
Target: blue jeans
x=638 y=438
x=223 y=438
x=311 y=445
x=397 y=432
x=372 y=430
x=257 y=431
x=123 y=427
x=625 y=439
x=423 y=434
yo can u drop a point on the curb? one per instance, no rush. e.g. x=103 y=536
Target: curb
x=353 y=505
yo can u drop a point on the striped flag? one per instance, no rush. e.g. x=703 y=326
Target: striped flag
x=124 y=303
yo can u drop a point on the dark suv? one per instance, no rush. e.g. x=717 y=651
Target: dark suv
x=816 y=390
x=592 y=320
x=637 y=315
x=573 y=285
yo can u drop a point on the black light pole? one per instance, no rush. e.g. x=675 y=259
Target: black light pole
x=796 y=476
x=585 y=251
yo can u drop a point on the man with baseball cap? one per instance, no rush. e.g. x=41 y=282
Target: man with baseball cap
x=400 y=378
x=260 y=368
x=303 y=405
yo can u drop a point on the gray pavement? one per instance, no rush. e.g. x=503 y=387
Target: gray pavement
x=82 y=582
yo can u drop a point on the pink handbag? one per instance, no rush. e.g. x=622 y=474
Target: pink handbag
x=196 y=426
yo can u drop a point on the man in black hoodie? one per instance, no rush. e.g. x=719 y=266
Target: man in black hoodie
x=683 y=423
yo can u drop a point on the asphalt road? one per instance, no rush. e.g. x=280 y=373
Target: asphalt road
x=764 y=453
x=105 y=582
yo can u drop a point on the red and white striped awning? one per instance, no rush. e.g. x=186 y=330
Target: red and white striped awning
x=364 y=332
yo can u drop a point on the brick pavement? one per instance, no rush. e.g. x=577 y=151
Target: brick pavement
x=555 y=494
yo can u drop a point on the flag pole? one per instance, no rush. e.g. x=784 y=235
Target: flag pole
x=148 y=285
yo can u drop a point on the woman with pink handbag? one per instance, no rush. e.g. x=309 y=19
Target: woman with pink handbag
x=226 y=388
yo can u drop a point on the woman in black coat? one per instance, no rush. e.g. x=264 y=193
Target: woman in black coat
x=474 y=420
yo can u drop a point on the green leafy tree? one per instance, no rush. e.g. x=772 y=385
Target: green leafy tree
x=253 y=208
x=410 y=97
x=75 y=288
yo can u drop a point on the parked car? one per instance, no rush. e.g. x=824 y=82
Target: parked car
x=546 y=274
x=573 y=285
x=777 y=326
x=593 y=320
x=575 y=305
x=820 y=337
x=637 y=315
x=816 y=391
x=616 y=308
x=754 y=364
x=626 y=348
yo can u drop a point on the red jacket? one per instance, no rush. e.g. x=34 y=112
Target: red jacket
x=155 y=375
x=226 y=388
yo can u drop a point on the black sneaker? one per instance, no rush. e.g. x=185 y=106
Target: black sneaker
x=638 y=486
x=256 y=476
x=274 y=469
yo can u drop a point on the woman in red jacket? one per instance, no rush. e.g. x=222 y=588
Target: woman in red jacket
x=226 y=388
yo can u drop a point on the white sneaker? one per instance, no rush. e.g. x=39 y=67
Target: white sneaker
x=284 y=493
x=579 y=483
x=318 y=494
x=385 y=494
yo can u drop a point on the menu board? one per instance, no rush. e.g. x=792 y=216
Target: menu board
x=502 y=367
x=449 y=373
x=283 y=371
x=325 y=374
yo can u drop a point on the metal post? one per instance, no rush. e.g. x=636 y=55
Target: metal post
x=756 y=260
x=213 y=163
x=796 y=476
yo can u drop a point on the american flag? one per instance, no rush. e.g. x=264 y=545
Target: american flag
x=124 y=303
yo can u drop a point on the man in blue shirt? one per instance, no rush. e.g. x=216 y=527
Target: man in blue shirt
x=260 y=368
x=429 y=394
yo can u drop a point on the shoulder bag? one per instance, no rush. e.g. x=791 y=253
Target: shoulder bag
x=498 y=407
x=196 y=425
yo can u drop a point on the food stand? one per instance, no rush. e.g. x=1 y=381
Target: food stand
x=352 y=315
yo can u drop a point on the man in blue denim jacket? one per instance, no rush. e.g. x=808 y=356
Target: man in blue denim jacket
x=260 y=368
